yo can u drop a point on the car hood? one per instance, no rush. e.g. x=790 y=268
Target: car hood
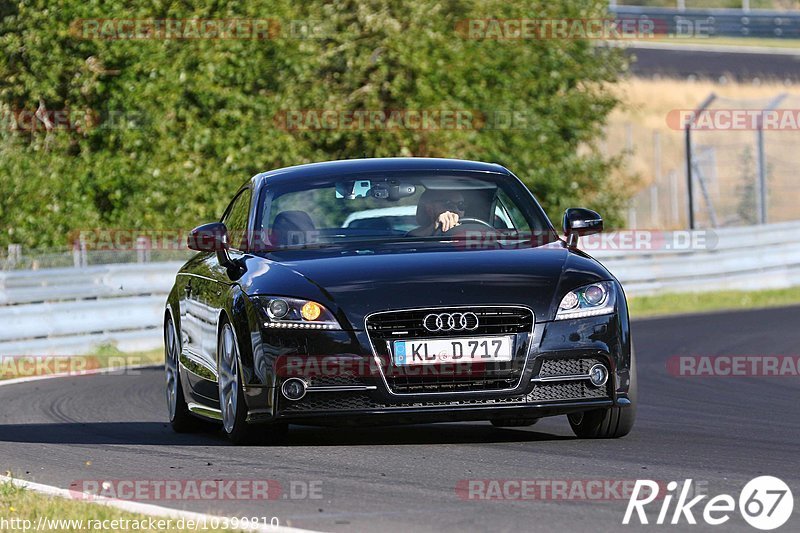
x=356 y=283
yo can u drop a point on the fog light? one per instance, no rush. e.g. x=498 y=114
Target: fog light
x=294 y=389
x=598 y=375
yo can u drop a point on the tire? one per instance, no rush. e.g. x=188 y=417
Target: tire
x=231 y=397
x=513 y=422
x=180 y=418
x=609 y=423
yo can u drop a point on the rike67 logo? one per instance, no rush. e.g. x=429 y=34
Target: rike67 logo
x=765 y=503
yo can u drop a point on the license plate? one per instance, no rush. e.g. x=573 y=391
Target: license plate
x=463 y=350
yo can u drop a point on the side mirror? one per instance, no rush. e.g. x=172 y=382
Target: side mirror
x=212 y=237
x=209 y=238
x=579 y=222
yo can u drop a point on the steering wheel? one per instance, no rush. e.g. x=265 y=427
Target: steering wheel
x=464 y=222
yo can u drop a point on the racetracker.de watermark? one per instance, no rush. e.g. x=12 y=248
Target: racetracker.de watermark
x=433 y=119
x=734 y=119
x=64 y=120
x=543 y=489
x=118 y=239
x=26 y=366
x=252 y=29
x=641 y=240
x=196 y=489
x=447 y=364
x=604 y=29
x=732 y=366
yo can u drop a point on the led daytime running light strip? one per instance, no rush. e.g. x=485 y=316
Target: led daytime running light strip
x=292 y=325
x=585 y=312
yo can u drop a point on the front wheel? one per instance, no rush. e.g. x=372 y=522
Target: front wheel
x=181 y=420
x=231 y=397
x=609 y=423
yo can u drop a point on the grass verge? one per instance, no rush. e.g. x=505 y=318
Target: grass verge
x=25 y=510
x=675 y=304
x=735 y=42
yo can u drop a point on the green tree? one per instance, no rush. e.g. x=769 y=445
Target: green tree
x=176 y=125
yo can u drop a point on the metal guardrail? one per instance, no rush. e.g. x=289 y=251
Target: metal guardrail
x=73 y=310
x=715 y=21
x=753 y=258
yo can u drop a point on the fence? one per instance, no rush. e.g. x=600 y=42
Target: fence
x=70 y=311
x=741 y=175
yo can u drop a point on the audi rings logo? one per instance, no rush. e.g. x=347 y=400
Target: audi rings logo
x=451 y=322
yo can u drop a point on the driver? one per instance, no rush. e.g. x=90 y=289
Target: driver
x=438 y=210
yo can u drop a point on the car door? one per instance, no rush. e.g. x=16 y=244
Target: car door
x=216 y=284
x=198 y=323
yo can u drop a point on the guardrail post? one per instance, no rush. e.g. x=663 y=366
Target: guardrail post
x=79 y=258
x=14 y=254
x=142 y=249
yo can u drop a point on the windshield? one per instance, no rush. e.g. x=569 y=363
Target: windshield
x=399 y=207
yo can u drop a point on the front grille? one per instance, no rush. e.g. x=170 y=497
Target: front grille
x=330 y=401
x=493 y=321
x=355 y=401
x=415 y=384
x=341 y=380
x=383 y=328
x=566 y=367
x=566 y=390
x=361 y=401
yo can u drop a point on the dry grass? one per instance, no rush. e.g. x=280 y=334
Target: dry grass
x=648 y=101
x=642 y=117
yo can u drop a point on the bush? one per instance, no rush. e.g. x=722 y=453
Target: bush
x=161 y=132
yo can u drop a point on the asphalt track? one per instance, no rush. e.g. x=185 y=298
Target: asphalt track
x=719 y=431
x=700 y=62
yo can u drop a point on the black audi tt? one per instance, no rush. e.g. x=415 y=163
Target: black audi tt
x=387 y=291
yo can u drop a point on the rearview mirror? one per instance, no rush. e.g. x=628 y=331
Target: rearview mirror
x=392 y=192
x=579 y=222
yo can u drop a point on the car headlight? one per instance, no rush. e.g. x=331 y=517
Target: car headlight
x=293 y=313
x=596 y=299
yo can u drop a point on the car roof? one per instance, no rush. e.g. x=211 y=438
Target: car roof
x=384 y=164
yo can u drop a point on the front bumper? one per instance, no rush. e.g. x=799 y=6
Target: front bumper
x=346 y=388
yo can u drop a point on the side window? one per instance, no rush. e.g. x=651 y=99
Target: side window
x=501 y=218
x=236 y=218
x=510 y=214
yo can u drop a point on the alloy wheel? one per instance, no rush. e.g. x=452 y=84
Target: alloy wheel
x=228 y=378
x=171 y=370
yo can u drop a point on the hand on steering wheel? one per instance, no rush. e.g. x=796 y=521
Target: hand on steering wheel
x=461 y=222
x=446 y=221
